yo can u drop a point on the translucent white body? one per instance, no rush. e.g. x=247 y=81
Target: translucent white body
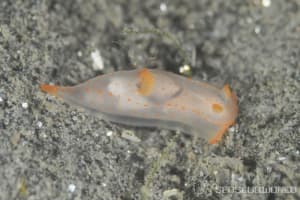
x=156 y=98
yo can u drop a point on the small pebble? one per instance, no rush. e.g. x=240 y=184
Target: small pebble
x=74 y=118
x=39 y=124
x=25 y=105
x=163 y=7
x=257 y=29
x=266 y=3
x=281 y=158
x=43 y=135
x=97 y=60
x=109 y=133
x=184 y=69
x=72 y=188
x=129 y=135
x=231 y=129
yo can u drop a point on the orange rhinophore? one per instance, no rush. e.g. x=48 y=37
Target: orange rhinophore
x=155 y=98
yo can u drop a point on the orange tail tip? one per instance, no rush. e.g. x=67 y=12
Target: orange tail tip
x=146 y=83
x=51 y=89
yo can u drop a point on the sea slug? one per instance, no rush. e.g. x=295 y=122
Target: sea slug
x=155 y=98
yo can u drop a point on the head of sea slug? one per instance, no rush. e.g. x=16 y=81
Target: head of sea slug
x=223 y=110
x=225 y=113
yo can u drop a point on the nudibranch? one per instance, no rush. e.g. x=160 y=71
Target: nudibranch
x=155 y=98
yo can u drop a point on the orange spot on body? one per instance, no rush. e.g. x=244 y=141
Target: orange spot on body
x=217 y=108
x=146 y=82
x=110 y=94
